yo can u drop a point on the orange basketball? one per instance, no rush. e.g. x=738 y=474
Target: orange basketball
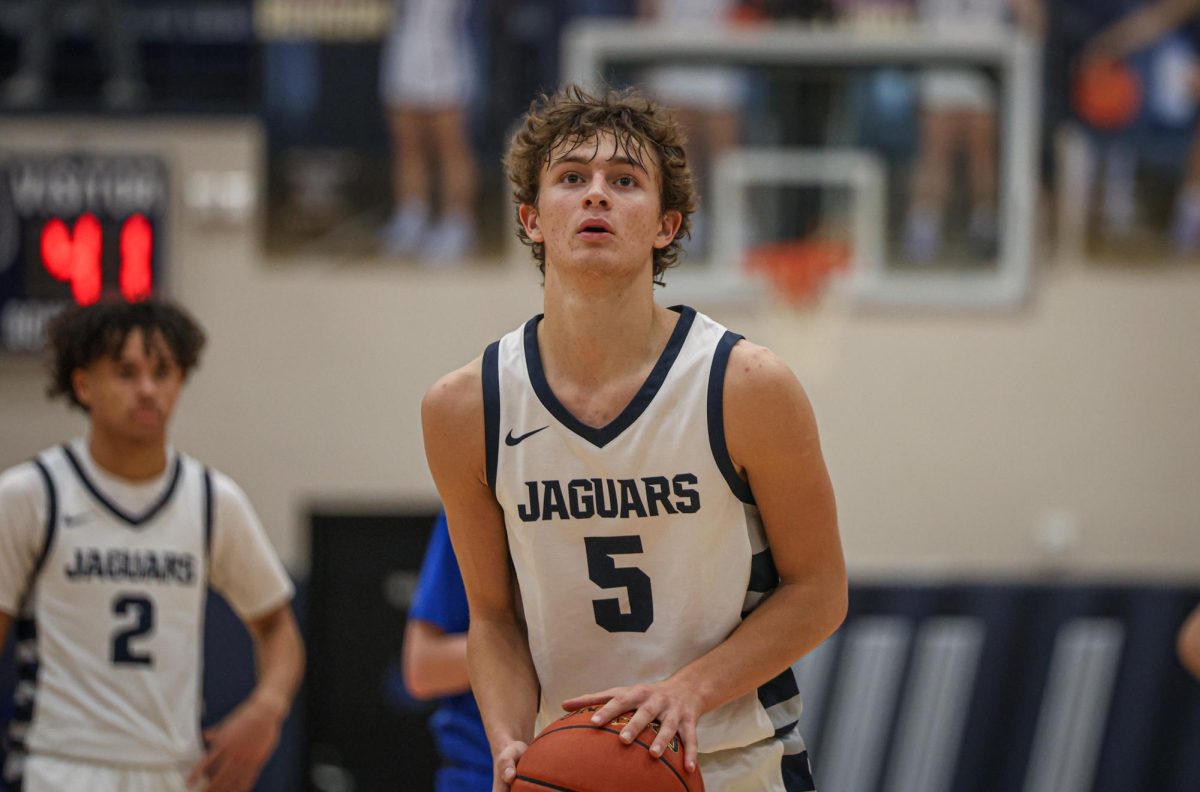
x=572 y=755
x=1107 y=94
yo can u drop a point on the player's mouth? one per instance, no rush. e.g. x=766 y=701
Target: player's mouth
x=594 y=229
x=147 y=415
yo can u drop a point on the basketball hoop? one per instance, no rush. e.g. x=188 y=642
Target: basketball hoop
x=799 y=269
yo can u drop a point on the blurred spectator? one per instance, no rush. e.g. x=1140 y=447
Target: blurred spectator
x=124 y=88
x=426 y=83
x=435 y=666
x=707 y=100
x=958 y=112
x=1136 y=30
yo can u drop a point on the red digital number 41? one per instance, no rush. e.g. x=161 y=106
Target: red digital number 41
x=74 y=256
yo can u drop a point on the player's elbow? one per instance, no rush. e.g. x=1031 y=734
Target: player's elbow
x=418 y=683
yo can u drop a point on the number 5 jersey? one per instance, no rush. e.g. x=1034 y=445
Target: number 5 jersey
x=637 y=548
x=108 y=580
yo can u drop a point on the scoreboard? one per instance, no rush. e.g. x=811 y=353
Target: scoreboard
x=75 y=227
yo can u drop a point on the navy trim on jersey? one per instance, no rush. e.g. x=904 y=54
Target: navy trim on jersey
x=763 y=574
x=716 y=418
x=604 y=435
x=51 y=519
x=491 y=409
x=208 y=511
x=114 y=508
x=797 y=773
x=782 y=731
x=779 y=689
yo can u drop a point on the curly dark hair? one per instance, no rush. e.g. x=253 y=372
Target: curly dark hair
x=81 y=335
x=572 y=117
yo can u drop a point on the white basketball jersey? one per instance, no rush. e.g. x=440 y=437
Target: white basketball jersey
x=636 y=546
x=109 y=638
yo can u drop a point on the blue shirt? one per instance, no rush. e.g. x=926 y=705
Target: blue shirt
x=441 y=600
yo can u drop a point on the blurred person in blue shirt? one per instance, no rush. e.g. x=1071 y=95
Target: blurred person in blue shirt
x=1136 y=30
x=435 y=666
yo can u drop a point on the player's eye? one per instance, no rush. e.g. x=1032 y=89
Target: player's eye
x=626 y=181
x=571 y=177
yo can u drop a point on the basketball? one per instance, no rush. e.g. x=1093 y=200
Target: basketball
x=1107 y=95
x=573 y=755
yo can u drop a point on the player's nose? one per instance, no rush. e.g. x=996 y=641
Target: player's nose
x=597 y=191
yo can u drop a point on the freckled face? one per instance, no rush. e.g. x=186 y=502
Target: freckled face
x=598 y=207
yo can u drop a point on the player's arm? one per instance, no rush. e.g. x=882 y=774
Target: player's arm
x=242 y=742
x=772 y=438
x=1140 y=28
x=1188 y=643
x=435 y=663
x=6 y=620
x=501 y=669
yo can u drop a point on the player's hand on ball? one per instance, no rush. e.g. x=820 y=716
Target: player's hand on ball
x=676 y=708
x=506 y=765
x=238 y=747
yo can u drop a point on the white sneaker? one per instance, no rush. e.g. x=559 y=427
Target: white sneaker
x=406 y=231
x=449 y=242
x=923 y=236
x=24 y=90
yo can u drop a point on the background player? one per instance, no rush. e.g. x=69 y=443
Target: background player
x=435 y=666
x=658 y=477
x=107 y=547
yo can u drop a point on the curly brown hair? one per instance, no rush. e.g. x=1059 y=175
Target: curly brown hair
x=81 y=335
x=572 y=117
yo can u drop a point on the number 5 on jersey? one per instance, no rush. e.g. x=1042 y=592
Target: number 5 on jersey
x=604 y=572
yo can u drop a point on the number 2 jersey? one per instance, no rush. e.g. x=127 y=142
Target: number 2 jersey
x=108 y=579
x=637 y=548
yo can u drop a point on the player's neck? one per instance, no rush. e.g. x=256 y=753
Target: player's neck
x=589 y=337
x=134 y=460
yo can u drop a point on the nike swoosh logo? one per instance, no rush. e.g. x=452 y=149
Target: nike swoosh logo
x=72 y=520
x=512 y=441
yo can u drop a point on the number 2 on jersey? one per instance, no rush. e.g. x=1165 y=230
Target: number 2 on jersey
x=143 y=609
x=604 y=572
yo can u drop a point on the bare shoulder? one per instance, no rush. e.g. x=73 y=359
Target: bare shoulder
x=452 y=420
x=455 y=396
x=765 y=406
x=756 y=374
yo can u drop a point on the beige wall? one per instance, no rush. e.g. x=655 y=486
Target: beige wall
x=1062 y=437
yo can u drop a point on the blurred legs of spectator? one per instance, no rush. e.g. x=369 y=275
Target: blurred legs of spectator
x=415 y=133
x=124 y=89
x=710 y=133
x=1185 y=230
x=944 y=133
x=426 y=81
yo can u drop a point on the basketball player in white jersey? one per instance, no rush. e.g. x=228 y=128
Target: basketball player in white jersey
x=636 y=496
x=108 y=544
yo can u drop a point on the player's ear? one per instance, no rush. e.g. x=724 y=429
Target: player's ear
x=82 y=385
x=532 y=222
x=668 y=227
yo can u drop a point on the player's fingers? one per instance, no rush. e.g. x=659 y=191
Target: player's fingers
x=638 y=723
x=506 y=763
x=687 y=735
x=666 y=732
x=623 y=700
x=588 y=700
x=201 y=768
